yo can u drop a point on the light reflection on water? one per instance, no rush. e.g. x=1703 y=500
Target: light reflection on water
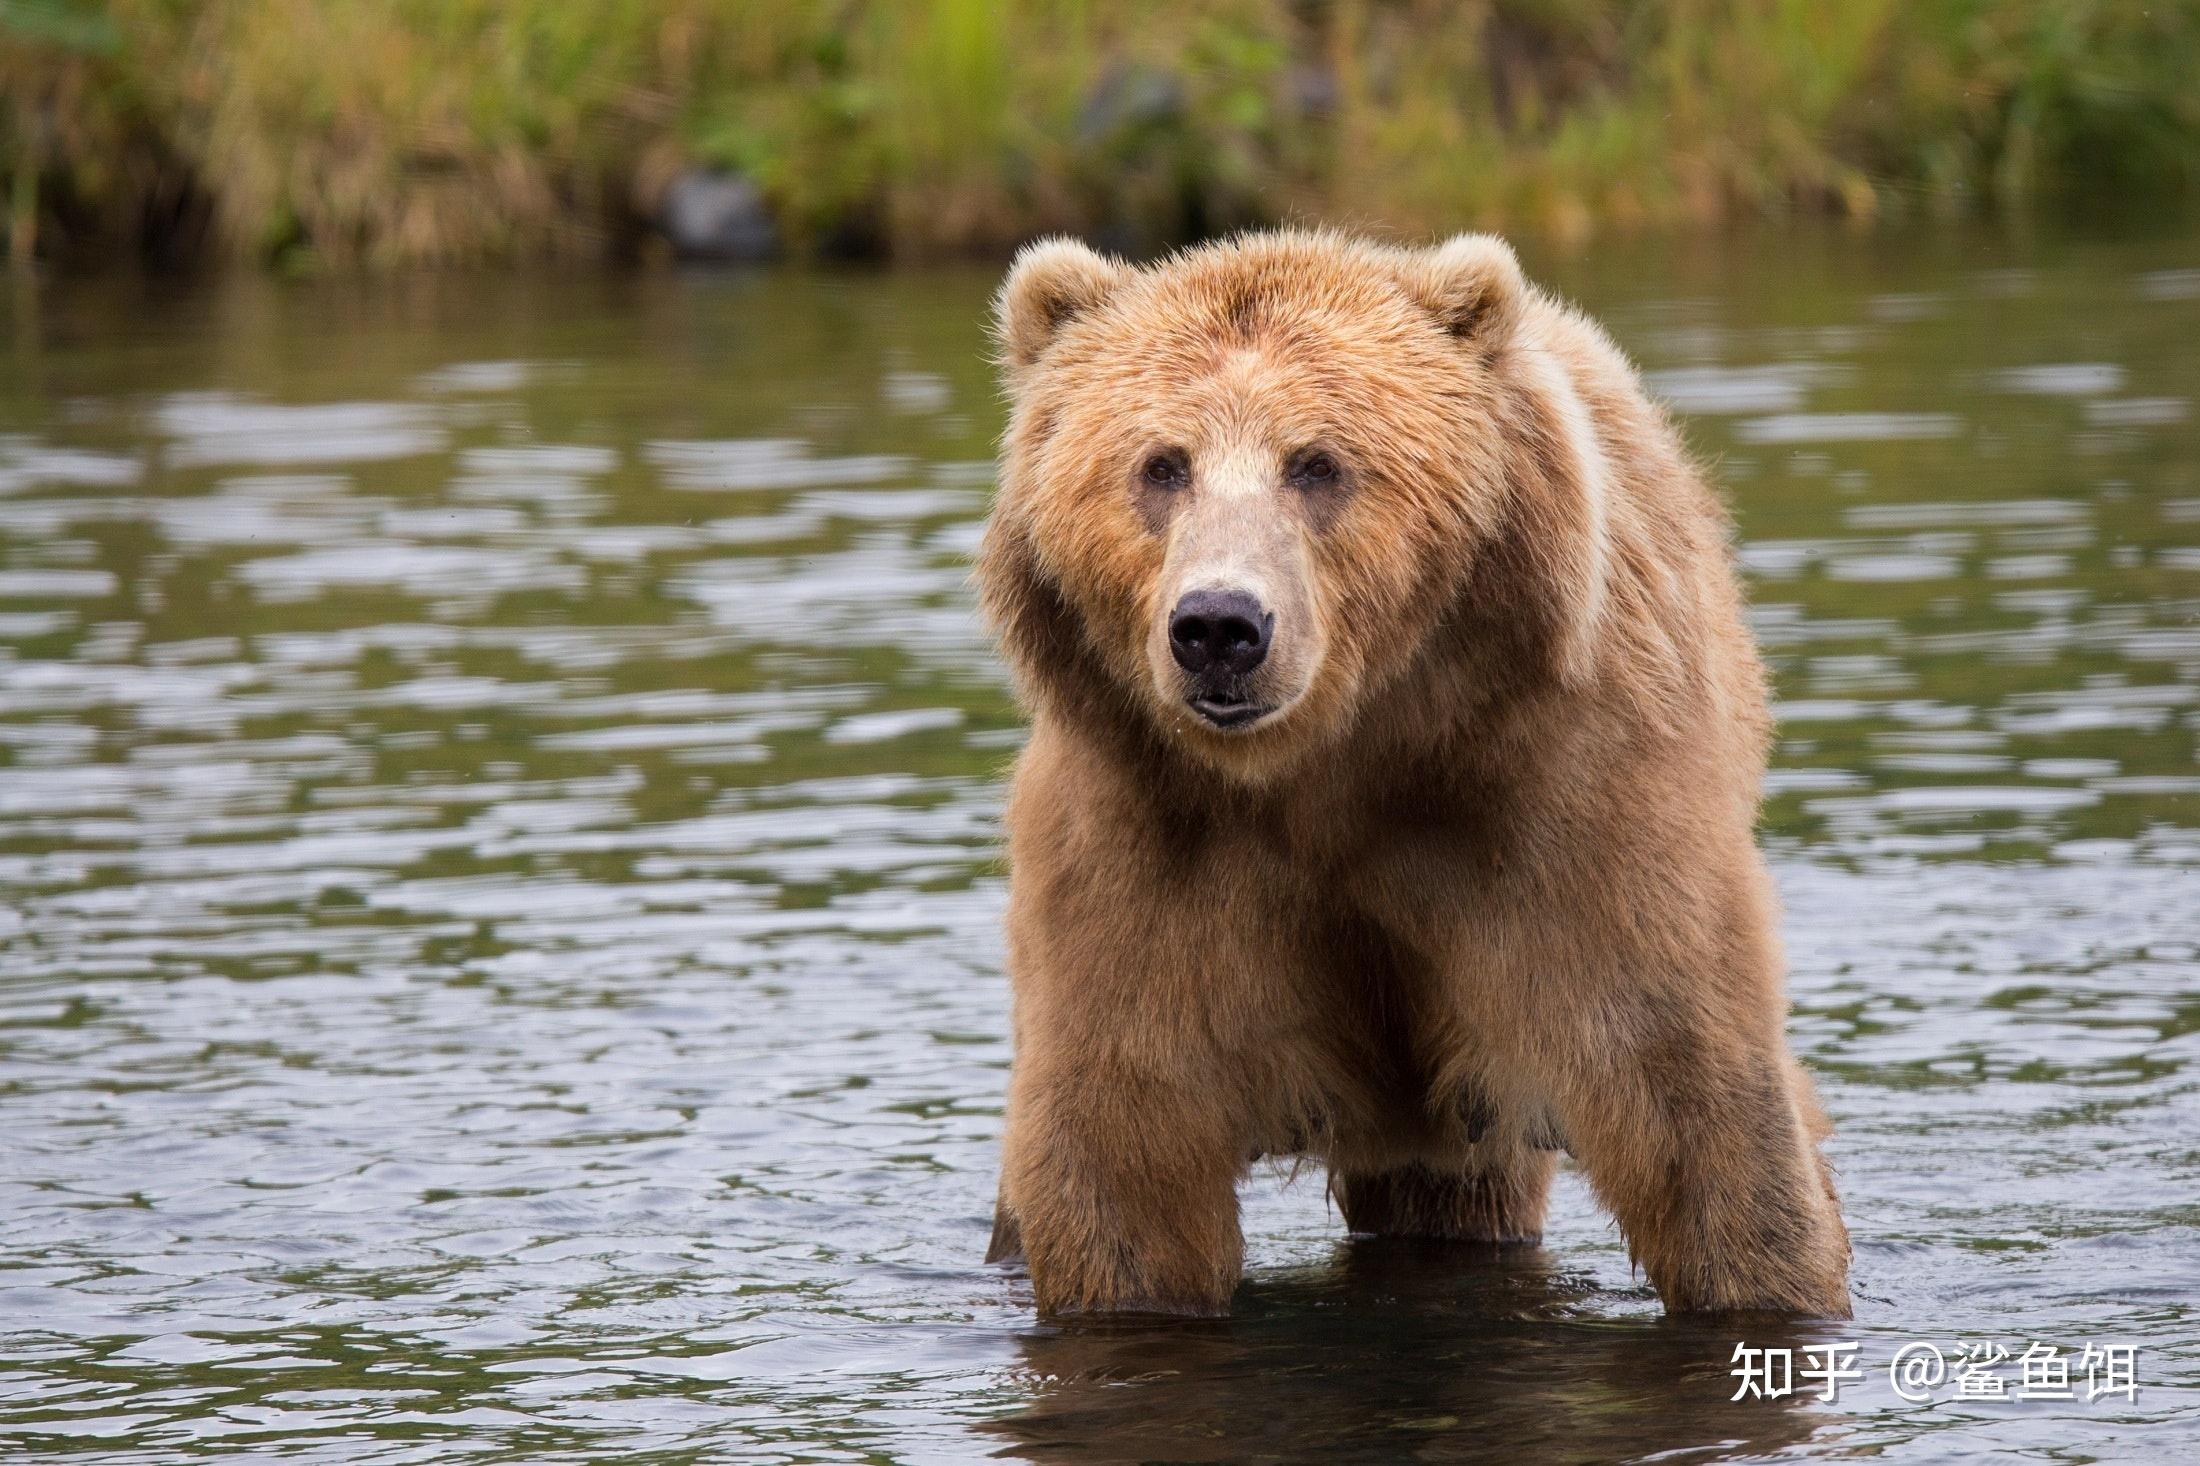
x=498 y=786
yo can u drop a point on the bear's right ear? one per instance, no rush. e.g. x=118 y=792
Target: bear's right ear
x=1471 y=284
x=1050 y=282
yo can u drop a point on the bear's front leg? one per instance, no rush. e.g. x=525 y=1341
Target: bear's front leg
x=1121 y=1185
x=1704 y=1146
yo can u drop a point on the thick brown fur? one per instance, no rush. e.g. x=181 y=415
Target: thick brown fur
x=1484 y=885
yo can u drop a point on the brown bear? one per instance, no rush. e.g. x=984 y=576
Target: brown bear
x=1395 y=755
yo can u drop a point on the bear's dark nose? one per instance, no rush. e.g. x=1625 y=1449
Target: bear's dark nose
x=1219 y=633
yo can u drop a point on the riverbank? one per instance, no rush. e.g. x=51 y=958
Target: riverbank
x=307 y=135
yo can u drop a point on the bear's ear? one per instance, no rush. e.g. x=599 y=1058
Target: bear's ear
x=1050 y=282
x=1471 y=284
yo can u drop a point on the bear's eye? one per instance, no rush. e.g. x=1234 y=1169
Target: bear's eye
x=1167 y=471
x=1314 y=470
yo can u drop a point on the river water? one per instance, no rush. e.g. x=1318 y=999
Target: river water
x=499 y=782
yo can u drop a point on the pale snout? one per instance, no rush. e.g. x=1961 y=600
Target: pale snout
x=1236 y=637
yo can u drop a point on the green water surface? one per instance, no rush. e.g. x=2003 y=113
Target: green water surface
x=499 y=782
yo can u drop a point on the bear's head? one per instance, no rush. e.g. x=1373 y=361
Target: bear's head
x=1244 y=491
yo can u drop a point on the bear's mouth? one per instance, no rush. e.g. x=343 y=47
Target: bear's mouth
x=1222 y=710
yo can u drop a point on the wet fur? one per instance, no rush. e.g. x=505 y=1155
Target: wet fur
x=1489 y=888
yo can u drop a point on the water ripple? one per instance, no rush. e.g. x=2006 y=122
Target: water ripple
x=501 y=956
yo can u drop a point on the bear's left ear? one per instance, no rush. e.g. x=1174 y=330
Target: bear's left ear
x=1471 y=284
x=1051 y=282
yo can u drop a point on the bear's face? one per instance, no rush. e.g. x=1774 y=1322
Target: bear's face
x=1240 y=488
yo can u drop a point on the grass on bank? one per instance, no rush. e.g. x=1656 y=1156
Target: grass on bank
x=421 y=131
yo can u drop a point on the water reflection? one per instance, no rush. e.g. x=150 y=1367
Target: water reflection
x=1398 y=1351
x=498 y=789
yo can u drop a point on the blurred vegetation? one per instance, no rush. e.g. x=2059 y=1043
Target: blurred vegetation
x=402 y=131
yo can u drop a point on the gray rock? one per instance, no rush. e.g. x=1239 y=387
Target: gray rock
x=1129 y=99
x=710 y=215
x=1311 y=90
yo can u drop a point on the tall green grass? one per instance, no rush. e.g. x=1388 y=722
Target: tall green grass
x=407 y=131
